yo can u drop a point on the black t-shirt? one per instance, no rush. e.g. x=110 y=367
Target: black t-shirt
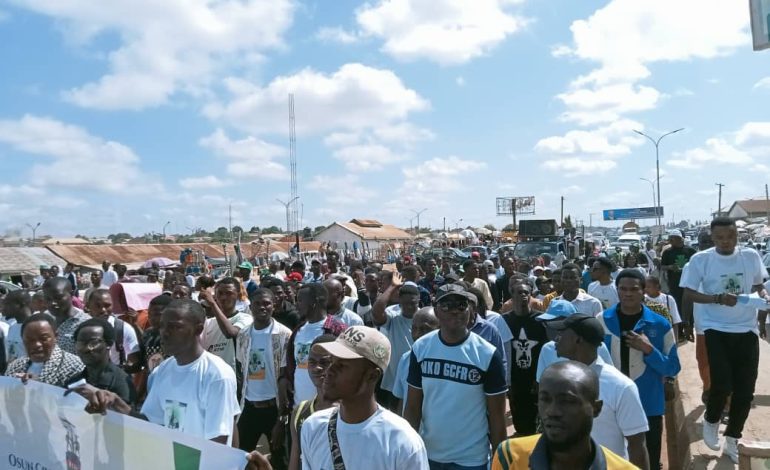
x=525 y=350
x=678 y=257
x=627 y=323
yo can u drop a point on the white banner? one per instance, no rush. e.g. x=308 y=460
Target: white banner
x=41 y=429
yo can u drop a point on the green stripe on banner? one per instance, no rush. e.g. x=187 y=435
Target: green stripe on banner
x=186 y=458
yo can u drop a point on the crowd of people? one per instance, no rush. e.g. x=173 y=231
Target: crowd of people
x=361 y=366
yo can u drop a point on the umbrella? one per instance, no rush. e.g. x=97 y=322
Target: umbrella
x=160 y=261
x=483 y=231
x=278 y=256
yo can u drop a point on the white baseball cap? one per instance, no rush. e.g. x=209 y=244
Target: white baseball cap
x=360 y=342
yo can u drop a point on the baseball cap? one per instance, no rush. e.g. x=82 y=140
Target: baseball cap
x=675 y=233
x=296 y=277
x=454 y=290
x=475 y=254
x=538 y=268
x=246 y=265
x=359 y=342
x=586 y=326
x=488 y=263
x=451 y=277
x=557 y=309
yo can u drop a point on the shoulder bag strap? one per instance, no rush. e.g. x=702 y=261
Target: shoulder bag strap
x=334 y=446
x=119 y=342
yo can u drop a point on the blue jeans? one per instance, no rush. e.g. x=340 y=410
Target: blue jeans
x=453 y=466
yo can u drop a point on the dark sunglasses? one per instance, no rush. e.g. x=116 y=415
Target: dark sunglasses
x=453 y=305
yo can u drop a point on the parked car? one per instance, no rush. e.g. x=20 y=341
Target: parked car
x=453 y=254
x=9 y=286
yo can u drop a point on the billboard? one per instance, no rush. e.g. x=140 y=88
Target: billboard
x=760 y=23
x=522 y=205
x=633 y=213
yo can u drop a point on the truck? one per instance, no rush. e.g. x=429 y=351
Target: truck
x=537 y=237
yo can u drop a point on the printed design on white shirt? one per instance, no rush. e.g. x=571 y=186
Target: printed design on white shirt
x=257 y=364
x=451 y=370
x=174 y=413
x=732 y=283
x=523 y=347
x=302 y=351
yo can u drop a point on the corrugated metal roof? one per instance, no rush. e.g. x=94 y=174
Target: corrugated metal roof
x=26 y=260
x=383 y=232
x=93 y=255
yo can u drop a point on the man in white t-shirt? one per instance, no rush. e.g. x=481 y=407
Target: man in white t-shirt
x=622 y=424
x=225 y=320
x=359 y=434
x=16 y=307
x=570 y=284
x=718 y=279
x=395 y=322
x=603 y=288
x=109 y=276
x=261 y=352
x=335 y=294
x=126 y=354
x=192 y=391
x=311 y=304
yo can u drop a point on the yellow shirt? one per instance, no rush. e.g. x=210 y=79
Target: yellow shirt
x=529 y=452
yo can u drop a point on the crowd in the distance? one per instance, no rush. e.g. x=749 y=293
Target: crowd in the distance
x=349 y=365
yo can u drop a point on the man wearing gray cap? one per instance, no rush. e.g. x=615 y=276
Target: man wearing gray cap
x=457 y=387
x=359 y=434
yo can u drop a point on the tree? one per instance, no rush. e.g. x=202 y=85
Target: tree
x=509 y=228
x=254 y=229
x=119 y=237
x=319 y=228
x=567 y=222
x=271 y=230
x=237 y=228
x=490 y=227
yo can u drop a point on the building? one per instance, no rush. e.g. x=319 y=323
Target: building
x=18 y=264
x=748 y=209
x=363 y=233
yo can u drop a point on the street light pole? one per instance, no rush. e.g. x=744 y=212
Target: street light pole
x=652 y=187
x=164 y=231
x=656 y=143
x=417 y=213
x=34 y=229
x=286 y=205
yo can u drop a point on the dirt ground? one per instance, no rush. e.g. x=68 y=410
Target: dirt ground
x=757 y=427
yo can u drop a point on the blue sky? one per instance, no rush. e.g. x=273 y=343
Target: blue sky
x=124 y=114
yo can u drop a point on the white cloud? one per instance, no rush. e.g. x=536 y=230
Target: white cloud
x=204 y=182
x=337 y=35
x=574 y=166
x=165 y=47
x=75 y=158
x=613 y=140
x=449 y=32
x=588 y=106
x=740 y=148
x=753 y=134
x=629 y=32
x=715 y=150
x=353 y=194
x=354 y=97
x=249 y=157
x=366 y=157
x=763 y=84
x=404 y=133
x=428 y=183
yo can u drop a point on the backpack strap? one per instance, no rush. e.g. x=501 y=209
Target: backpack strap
x=334 y=445
x=119 y=341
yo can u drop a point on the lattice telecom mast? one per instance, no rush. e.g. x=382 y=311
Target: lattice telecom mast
x=294 y=216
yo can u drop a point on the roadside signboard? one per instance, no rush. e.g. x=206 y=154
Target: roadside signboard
x=633 y=213
x=521 y=205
